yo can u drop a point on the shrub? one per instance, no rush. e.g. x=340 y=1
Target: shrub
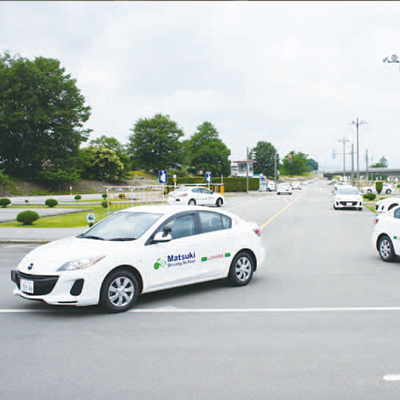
x=78 y=197
x=104 y=203
x=26 y=201
x=104 y=196
x=121 y=195
x=379 y=186
x=51 y=202
x=4 y=202
x=27 y=217
x=369 y=196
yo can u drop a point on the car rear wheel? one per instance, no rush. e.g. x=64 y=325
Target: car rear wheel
x=385 y=248
x=192 y=202
x=388 y=191
x=219 y=202
x=120 y=291
x=369 y=191
x=242 y=269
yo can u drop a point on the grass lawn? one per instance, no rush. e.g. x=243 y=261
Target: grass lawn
x=74 y=220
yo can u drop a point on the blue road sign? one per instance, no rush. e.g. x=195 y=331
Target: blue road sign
x=208 y=177
x=163 y=176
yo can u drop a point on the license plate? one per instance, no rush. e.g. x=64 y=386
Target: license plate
x=26 y=286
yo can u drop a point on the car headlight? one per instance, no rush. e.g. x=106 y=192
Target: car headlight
x=81 y=263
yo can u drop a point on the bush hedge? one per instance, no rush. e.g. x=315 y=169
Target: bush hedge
x=232 y=184
x=27 y=217
x=51 y=202
x=104 y=196
x=104 y=203
x=379 y=186
x=78 y=197
x=4 y=202
x=369 y=196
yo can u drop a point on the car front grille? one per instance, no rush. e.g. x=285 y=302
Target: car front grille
x=350 y=203
x=43 y=284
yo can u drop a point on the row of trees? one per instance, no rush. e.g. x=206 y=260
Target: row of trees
x=42 y=117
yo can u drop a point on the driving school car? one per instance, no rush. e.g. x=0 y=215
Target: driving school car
x=195 y=196
x=139 y=250
x=348 y=197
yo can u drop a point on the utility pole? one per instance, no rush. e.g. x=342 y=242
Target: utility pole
x=357 y=124
x=352 y=164
x=247 y=170
x=276 y=175
x=366 y=164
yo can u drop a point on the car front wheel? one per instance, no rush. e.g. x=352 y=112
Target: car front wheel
x=385 y=248
x=242 y=269
x=120 y=291
x=219 y=202
x=192 y=202
x=388 y=191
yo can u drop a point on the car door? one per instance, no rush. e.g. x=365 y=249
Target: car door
x=394 y=227
x=216 y=244
x=175 y=262
x=208 y=197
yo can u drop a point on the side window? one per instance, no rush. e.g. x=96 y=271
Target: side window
x=196 y=190
x=182 y=226
x=397 y=213
x=205 y=191
x=213 y=222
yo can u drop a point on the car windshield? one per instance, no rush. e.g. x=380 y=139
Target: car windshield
x=348 y=190
x=122 y=226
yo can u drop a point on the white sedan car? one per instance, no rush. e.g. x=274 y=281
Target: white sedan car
x=195 y=196
x=386 y=236
x=284 y=188
x=387 y=189
x=385 y=205
x=296 y=185
x=348 y=197
x=139 y=250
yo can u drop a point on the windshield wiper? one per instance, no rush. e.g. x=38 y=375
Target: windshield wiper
x=91 y=237
x=122 y=239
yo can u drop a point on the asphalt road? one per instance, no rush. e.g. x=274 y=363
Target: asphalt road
x=320 y=320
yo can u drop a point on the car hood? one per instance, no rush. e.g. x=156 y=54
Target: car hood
x=48 y=258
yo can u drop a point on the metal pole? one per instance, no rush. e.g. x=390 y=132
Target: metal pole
x=275 y=170
x=366 y=164
x=352 y=164
x=344 y=159
x=247 y=170
x=358 y=164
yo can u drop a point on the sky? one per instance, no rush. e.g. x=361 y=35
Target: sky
x=295 y=74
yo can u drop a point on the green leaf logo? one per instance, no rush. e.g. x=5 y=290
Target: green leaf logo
x=160 y=264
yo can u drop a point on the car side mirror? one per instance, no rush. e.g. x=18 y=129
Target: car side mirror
x=164 y=236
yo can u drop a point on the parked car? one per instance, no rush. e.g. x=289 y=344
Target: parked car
x=139 y=250
x=387 y=189
x=386 y=234
x=348 y=197
x=284 y=188
x=385 y=205
x=200 y=196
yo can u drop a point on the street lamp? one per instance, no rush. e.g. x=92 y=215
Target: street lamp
x=344 y=140
x=357 y=123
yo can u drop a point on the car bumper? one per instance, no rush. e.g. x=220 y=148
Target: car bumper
x=68 y=288
x=349 y=204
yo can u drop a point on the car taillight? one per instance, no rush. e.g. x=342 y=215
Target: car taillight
x=376 y=220
x=257 y=231
x=183 y=195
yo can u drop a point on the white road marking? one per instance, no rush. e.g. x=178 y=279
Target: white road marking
x=171 y=309
x=391 y=378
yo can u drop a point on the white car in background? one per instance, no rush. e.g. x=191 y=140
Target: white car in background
x=339 y=185
x=193 y=196
x=139 y=250
x=386 y=235
x=348 y=197
x=284 y=188
x=296 y=185
x=385 y=205
x=387 y=189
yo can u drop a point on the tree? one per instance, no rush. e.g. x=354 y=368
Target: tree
x=154 y=144
x=298 y=166
x=102 y=164
x=383 y=163
x=206 y=151
x=4 y=179
x=311 y=165
x=42 y=113
x=265 y=154
x=57 y=176
x=113 y=144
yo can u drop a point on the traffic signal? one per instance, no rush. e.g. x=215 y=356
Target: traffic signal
x=290 y=158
